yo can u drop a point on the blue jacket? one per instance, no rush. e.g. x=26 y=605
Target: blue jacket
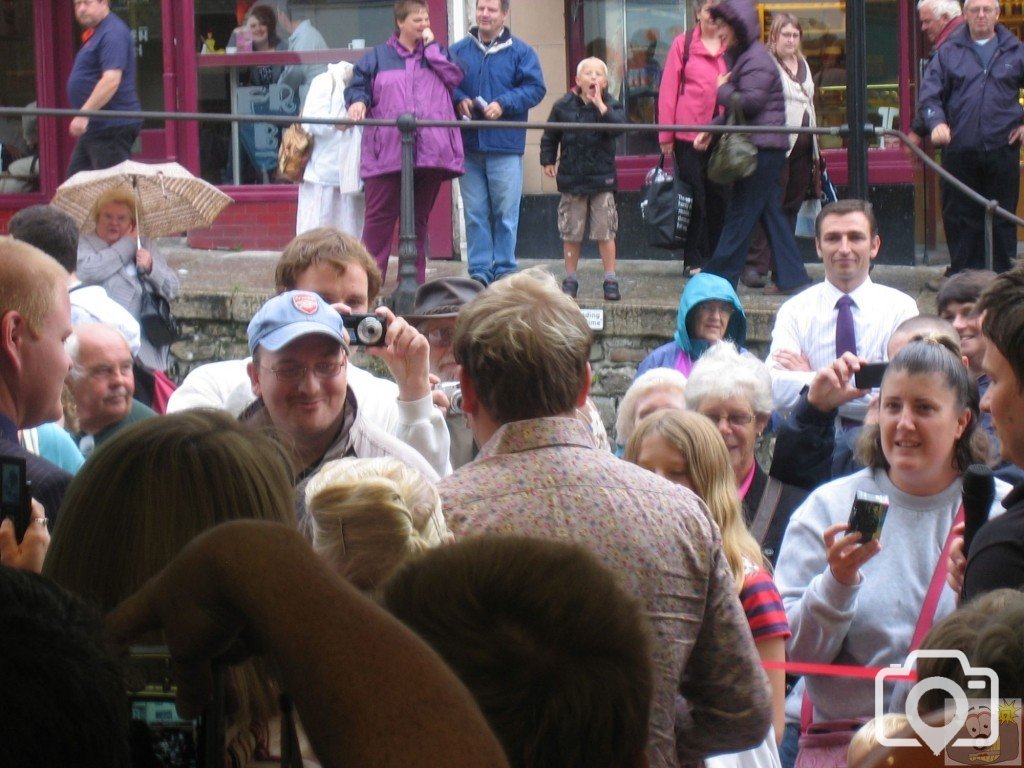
x=507 y=71
x=701 y=287
x=979 y=105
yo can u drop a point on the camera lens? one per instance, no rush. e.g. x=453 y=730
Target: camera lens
x=455 y=405
x=369 y=331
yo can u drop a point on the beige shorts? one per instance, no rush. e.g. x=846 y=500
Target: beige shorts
x=572 y=216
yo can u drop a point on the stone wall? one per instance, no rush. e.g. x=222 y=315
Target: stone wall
x=213 y=326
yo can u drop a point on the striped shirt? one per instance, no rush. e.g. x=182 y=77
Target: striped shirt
x=763 y=605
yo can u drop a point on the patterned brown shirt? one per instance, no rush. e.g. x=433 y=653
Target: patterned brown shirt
x=544 y=478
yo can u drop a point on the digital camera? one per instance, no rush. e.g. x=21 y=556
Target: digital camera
x=453 y=391
x=365 y=330
x=171 y=740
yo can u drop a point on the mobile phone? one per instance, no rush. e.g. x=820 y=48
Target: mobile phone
x=160 y=736
x=870 y=376
x=867 y=516
x=14 y=493
x=366 y=330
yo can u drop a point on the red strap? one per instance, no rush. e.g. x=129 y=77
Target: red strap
x=924 y=620
x=931 y=600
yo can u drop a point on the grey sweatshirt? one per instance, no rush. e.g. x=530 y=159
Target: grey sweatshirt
x=871 y=623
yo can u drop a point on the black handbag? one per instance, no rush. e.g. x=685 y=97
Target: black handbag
x=666 y=202
x=158 y=323
x=734 y=157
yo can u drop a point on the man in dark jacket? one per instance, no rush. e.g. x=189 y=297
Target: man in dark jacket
x=503 y=81
x=969 y=101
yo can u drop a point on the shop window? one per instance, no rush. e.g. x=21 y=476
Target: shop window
x=633 y=37
x=19 y=138
x=246 y=81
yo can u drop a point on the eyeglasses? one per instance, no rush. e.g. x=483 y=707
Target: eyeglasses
x=790 y=35
x=105 y=372
x=734 y=419
x=716 y=308
x=292 y=373
x=441 y=337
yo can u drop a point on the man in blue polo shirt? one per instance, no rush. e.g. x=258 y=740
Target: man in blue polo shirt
x=103 y=78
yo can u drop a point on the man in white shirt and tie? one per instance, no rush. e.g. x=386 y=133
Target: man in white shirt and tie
x=846 y=312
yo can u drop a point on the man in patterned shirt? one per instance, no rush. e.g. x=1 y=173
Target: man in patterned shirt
x=524 y=348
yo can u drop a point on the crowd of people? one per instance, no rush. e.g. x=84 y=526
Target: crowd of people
x=450 y=565
x=704 y=563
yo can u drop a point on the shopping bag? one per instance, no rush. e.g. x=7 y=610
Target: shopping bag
x=666 y=202
x=735 y=156
x=294 y=152
x=806 y=218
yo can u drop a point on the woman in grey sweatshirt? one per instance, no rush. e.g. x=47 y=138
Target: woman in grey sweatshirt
x=858 y=604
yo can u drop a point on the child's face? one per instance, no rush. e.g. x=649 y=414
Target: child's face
x=591 y=80
x=663 y=459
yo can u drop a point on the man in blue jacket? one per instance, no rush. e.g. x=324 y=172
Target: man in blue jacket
x=969 y=101
x=503 y=80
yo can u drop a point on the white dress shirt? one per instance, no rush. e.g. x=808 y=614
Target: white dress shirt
x=807 y=324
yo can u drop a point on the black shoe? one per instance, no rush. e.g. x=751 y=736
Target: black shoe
x=611 y=290
x=480 y=279
x=570 y=287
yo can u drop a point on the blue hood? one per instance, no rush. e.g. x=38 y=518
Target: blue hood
x=708 y=287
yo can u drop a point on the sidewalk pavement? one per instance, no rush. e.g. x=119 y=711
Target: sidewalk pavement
x=643 y=283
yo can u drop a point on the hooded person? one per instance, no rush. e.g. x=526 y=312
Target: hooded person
x=709 y=311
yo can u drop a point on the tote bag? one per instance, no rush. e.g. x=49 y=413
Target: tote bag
x=666 y=202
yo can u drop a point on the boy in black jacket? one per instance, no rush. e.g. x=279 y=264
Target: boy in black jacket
x=586 y=172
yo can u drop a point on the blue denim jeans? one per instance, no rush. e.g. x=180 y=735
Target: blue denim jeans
x=790 y=745
x=492 y=189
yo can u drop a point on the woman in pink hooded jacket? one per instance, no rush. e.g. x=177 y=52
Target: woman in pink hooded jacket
x=410 y=73
x=688 y=96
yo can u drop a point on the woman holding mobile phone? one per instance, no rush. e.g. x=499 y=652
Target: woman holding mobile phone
x=859 y=603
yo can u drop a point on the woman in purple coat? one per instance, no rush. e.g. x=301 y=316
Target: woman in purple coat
x=753 y=83
x=410 y=73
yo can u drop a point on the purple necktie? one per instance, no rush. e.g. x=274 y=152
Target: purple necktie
x=846 y=337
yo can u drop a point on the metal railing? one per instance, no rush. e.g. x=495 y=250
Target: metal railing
x=402 y=298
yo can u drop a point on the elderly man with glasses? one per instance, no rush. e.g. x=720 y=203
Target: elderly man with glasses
x=299 y=373
x=970 y=104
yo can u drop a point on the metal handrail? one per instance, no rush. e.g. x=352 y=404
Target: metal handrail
x=408 y=123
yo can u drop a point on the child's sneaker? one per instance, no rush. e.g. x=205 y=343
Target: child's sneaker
x=570 y=287
x=611 y=289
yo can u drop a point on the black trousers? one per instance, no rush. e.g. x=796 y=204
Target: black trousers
x=102 y=149
x=709 y=203
x=995 y=175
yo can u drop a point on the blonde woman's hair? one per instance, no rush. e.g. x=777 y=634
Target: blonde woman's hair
x=117 y=196
x=711 y=477
x=150 y=490
x=368 y=516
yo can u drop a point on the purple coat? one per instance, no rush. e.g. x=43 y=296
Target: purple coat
x=754 y=75
x=392 y=81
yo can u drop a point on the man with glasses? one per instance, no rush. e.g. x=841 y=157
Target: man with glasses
x=102 y=384
x=336 y=266
x=434 y=311
x=299 y=374
x=969 y=102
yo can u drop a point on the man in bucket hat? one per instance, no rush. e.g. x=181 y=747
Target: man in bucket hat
x=436 y=306
x=299 y=373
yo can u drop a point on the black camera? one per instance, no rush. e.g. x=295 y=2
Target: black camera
x=14 y=494
x=365 y=330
